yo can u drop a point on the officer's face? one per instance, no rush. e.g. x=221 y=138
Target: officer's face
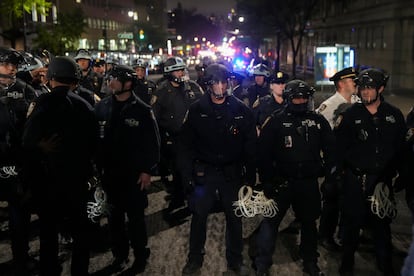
x=178 y=74
x=299 y=100
x=83 y=64
x=100 y=69
x=115 y=85
x=367 y=93
x=277 y=88
x=259 y=80
x=8 y=69
x=219 y=90
x=141 y=72
x=348 y=85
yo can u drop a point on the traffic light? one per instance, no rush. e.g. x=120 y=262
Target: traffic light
x=141 y=34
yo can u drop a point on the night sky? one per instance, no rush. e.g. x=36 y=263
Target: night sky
x=206 y=7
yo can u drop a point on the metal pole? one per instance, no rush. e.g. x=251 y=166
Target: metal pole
x=106 y=28
x=24 y=28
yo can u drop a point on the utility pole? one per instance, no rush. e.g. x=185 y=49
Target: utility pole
x=105 y=30
x=24 y=28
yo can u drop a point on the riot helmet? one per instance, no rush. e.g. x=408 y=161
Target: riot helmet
x=10 y=55
x=371 y=78
x=140 y=63
x=31 y=62
x=82 y=54
x=123 y=74
x=215 y=76
x=298 y=89
x=141 y=68
x=64 y=70
x=200 y=67
x=174 y=64
x=261 y=70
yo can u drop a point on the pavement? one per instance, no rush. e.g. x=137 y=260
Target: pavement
x=168 y=241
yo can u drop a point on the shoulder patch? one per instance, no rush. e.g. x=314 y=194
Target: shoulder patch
x=30 y=109
x=185 y=117
x=409 y=134
x=321 y=108
x=153 y=99
x=256 y=103
x=338 y=121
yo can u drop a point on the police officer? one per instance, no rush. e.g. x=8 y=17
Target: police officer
x=15 y=97
x=171 y=102
x=200 y=68
x=144 y=87
x=263 y=107
x=239 y=91
x=260 y=87
x=59 y=139
x=127 y=156
x=404 y=181
x=369 y=134
x=33 y=71
x=98 y=66
x=217 y=139
x=89 y=79
x=289 y=154
x=343 y=98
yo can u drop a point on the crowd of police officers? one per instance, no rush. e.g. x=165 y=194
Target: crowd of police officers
x=65 y=121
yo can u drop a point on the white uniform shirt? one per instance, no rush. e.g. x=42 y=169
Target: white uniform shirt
x=329 y=108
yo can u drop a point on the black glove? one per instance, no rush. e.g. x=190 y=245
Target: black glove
x=269 y=190
x=188 y=187
x=400 y=184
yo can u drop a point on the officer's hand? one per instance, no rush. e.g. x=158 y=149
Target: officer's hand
x=50 y=144
x=400 y=184
x=144 y=181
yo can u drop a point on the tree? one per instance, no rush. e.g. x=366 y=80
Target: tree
x=62 y=36
x=190 y=24
x=288 y=18
x=14 y=12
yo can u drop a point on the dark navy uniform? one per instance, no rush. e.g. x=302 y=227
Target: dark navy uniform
x=128 y=146
x=404 y=181
x=59 y=138
x=290 y=161
x=368 y=146
x=86 y=94
x=255 y=92
x=216 y=141
x=144 y=89
x=170 y=106
x=264 y=107
x=14 y=103
x=92 y=81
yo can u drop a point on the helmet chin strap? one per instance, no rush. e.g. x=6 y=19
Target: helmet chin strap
x=218 y=96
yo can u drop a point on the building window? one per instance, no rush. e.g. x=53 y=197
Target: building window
x=378 y=38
